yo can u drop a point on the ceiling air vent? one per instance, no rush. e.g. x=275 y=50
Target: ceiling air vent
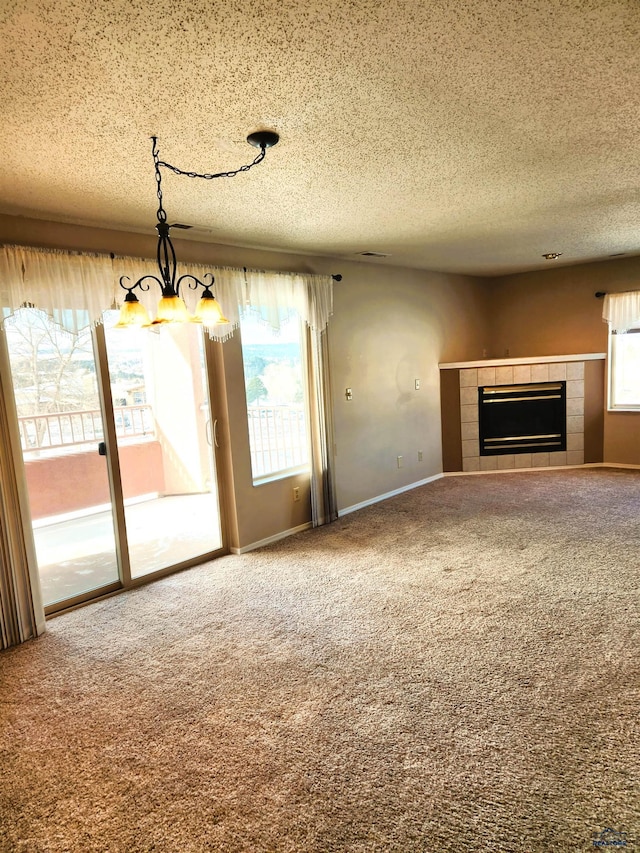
x=196 y=229
x=373 y=255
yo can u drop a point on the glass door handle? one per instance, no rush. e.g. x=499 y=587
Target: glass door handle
x=215 y=433
x=102 y=449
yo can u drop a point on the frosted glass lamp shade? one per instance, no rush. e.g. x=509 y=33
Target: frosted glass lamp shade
x=209 y=312
x=171 y=309
x=132 y=313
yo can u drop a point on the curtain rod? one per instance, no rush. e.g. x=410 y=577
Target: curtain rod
x=600 y=294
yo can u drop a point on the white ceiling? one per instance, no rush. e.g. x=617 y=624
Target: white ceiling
x=457 y=135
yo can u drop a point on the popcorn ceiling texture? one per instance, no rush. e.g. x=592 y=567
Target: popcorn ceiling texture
x=454 y=669
x=465 y=137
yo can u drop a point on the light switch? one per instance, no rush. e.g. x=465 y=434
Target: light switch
x=348 y=394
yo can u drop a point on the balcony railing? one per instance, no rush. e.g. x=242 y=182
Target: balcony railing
x=278 y=439
x=63 y=429
x=277 y=434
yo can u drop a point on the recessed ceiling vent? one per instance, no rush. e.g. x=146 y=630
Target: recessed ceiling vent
x=197 y=229
x=373 y=255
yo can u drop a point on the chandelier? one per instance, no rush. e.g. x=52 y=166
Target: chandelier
x=172 y=308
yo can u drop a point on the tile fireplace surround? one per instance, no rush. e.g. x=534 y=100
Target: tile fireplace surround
x=474 y=375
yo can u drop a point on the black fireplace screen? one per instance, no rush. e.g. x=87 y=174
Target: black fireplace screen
x=529 y=418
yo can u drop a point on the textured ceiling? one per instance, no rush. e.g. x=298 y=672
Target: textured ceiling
x=465 y=136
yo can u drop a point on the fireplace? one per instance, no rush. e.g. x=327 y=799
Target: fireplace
x=459 y=384
x=525 y=418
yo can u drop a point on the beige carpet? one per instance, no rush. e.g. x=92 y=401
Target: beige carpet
x=455 y=669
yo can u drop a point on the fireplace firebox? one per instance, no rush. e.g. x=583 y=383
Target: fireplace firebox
x=529 y=418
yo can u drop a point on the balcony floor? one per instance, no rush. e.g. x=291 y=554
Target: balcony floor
x=76 y=555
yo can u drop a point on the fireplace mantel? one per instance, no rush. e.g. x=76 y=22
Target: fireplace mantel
x=507 y=362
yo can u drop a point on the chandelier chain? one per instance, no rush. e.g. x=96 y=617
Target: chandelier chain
x=207 y=176
x=162 y=215
x=210 y=176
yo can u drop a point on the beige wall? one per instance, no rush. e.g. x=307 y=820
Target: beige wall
x=390 y=326
x=554 y=312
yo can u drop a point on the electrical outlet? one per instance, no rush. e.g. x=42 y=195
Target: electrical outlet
x=417 y=384
x=400 y=462
x=296 y=493
x=419 y=456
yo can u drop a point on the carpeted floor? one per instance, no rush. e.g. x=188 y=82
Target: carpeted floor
x=454 y=669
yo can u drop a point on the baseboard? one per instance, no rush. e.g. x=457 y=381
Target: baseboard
x=347 y=510
x=386 y=495
x=540 y=468
x=612 y=465
x=275 y=538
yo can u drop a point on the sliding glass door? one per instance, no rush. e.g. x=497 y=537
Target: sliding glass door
x=61 y=428
x=164 y=434
x=117 y=438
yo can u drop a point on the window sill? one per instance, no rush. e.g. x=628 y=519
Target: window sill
x=281 y=475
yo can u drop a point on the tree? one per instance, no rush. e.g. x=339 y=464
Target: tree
x=255 y=390
x=52 y=370
x=254 y=365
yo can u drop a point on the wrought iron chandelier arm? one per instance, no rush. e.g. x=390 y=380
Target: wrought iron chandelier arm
x=195 y=282
x=141 y=282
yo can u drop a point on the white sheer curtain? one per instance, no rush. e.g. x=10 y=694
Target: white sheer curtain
x=72 y=289
x=274 y=297
x=622 y=311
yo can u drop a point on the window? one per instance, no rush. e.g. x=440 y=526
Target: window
x=276 y=401
x=624 y=370
x=622 y=312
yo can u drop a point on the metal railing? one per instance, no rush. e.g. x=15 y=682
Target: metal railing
x=277 y=438
x=63 y=429
x=277 y=434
